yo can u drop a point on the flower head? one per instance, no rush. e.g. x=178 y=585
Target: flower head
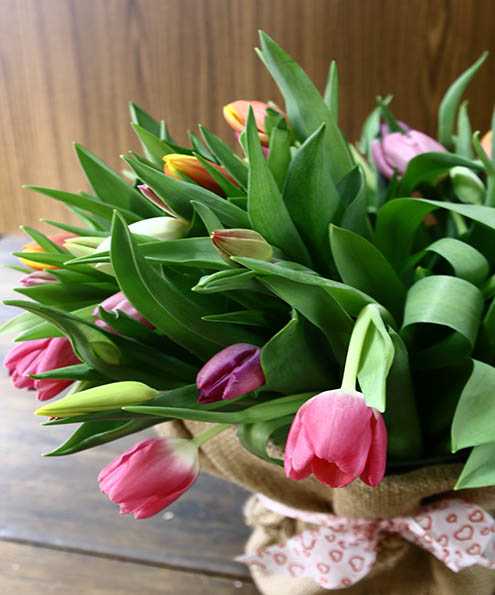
x=151 y=475
x=337 y=437
x=38 y=356
x=177 y=164
x=230 y=373
x=236 y=113
x=115 y=302
x=241 y=242
x=58 y=238
x=37 y=278
x=396 y=149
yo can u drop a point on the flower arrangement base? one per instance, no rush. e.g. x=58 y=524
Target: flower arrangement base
x=401 y=568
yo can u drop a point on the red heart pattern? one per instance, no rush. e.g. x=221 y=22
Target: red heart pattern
x=456 y=532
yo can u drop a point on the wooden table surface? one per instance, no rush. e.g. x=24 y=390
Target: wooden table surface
x=59 y=534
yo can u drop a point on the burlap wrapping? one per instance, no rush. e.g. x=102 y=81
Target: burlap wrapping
x=401 y=567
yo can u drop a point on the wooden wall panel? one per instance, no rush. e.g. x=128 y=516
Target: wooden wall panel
x=68 y=68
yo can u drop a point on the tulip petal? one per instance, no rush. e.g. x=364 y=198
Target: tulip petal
x=380 y=159
x=375 y=467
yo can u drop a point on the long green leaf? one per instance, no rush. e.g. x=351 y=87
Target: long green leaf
x=227 y=157
x=479 y=471
x=267 y=211
x=254 y=437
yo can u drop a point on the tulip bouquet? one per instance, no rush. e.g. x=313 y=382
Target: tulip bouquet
x=335 y=303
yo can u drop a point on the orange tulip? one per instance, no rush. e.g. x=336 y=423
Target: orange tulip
x=58 y=238
x=236 y=115
x=486 y=143
x=177 y=164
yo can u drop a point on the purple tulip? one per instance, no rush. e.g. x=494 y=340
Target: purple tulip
x=115 y=302
x=396 y=149
x=232 y=372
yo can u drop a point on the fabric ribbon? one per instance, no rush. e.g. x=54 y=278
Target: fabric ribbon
x=340 y=552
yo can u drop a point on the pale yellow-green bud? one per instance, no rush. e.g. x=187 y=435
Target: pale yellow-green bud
x=99 y=398
x=467 y=186
x=241 y=242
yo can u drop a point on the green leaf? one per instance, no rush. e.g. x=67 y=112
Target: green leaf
x=95 y=433
x=364 y=267
x=61 y=293
x=154 y=148
x=294 y=359
x=140 y=117
x=78 y=231
x=43 y=241
x=19 y=323
x=179 y=194
x=463 y=143
x=200 y=148
x=446 y=301
x=371 y=128
x=85 y=203
x=249 y=317
x=448 y=106
x=254 y=437
x=428 y=167
x=267 y=211
x=42 y=329
x=331 y=95
x=309 y=177
x=236 y=167
x=352 y=189
x=474 y=417
x=399 y=219
x=479 y=471
x=279 y=156
x=76 y=372
x=228 y=188
x=467 y=262
x=306 y=109
x=209 y=219
x=401 y=416
x=111 y=189
x=319 y=307
x=275 y=408
x=351 y=299
x=232 y=279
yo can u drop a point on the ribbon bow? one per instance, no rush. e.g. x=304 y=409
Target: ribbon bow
x=340 y=552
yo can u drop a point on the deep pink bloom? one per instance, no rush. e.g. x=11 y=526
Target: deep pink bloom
x=396 y=149
x=118 y=301
x=37 y=278
x=38 y=356
x=151 y=475
x=230 y=373
x=337 y=437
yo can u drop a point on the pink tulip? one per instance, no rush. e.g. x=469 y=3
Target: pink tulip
x=236 y=113
x=396 y=149
x=337 y=437
x=151 y=475
x=115 y=302
x=37 y=278
x=230 y=373
x=38 y=356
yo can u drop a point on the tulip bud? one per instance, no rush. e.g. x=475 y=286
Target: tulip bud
x=82 y=245
x=467 y=185
x=235 y=114
x=37 y=278
x=147 y=192
x=396 y=149
x=100 y=398
x=177 y=164
x=151 y=475
x=241 y=242
x=158 y=228
x=232 y=372
x=486 y=143
x=58 y=238
x=117 y=302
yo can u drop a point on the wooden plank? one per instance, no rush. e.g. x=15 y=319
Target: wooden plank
x=69 y=67
x=25 y=570
x=56 y=501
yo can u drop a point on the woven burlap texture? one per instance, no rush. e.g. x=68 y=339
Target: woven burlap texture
x=401 y=567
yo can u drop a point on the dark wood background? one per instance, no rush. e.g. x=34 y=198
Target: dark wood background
x=69 y=67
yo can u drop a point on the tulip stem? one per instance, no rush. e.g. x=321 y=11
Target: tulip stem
x=356 y=343
x=209 y=433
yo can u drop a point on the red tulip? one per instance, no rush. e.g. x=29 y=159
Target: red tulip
x=337 y=437
x=151 y=475
x=38 y=356
x=230 y=373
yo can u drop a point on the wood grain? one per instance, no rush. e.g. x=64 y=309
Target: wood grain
x=28 y=570
x=69 y=67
